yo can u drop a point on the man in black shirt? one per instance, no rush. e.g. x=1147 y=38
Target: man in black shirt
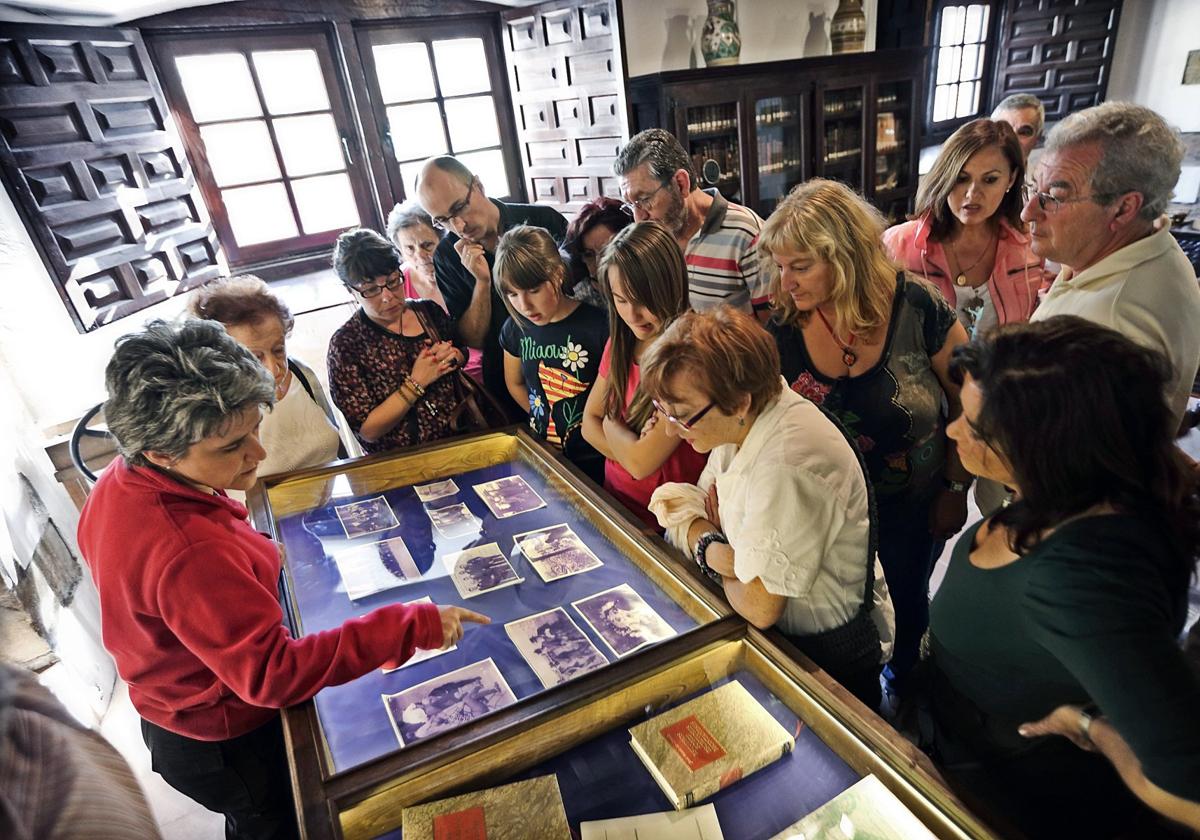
x=462 y=263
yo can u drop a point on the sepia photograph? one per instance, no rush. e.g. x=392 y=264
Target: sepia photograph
x=368 y=569
x=447 y=701
x=366 y=517
x=420 y=655
x=556 y=552
x=509 y=496
x=573 y=561
x=454 y=520
x=622 y=619
x=435 y=490
x=480 y=569
x=554 y=646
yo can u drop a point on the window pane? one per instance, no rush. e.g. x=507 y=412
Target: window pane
x=403 y=72
x=489 y=168
x=416 y=130
x=472 y=123
x=461 y=66
x=941 y=103
x=309 y=144
x=259 y=214
x=947 y=65
x=291 y=81
x=952 y=21
x=218 y=86
x=970 y=60
x=408 y=174
x=325 y=203
x=974 y=27
x=966 y=99
x=239 y=153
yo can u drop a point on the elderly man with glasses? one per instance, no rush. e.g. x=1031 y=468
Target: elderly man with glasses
x=1096 y=208
x=1026 y=114
x=473 y=223
x=718 y=238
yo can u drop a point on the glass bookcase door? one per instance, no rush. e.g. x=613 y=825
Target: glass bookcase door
x=842 y=134
x=778 y=129
x=893 y=135
x=712 y=132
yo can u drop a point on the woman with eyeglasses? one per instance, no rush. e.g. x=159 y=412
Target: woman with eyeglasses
x=592 y=228
x=873 y=346
x=385 y=374
x=644 y=281
x=781 y=514
x=966 y=236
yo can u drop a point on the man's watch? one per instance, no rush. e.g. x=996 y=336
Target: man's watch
x=956 y=486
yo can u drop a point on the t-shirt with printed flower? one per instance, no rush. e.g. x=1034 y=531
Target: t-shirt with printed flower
x=559 y=362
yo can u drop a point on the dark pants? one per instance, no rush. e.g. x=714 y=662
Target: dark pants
x=245 y=778
x=907 y=552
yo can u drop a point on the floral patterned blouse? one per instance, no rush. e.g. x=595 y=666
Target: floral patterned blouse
x=894 y=410
x=368 y=363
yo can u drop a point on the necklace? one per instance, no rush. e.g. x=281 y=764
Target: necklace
x=961 y=279
x=849 y=357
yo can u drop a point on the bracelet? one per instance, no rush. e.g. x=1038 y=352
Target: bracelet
x=1087 y=715
x=956 y=486
x=419 y=390
x=702 y=544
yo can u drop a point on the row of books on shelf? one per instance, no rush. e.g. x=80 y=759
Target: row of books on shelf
x=841 y=154
x=692 y=751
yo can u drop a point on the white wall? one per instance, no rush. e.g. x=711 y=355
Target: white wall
x=665 y=34
x=1153 y=39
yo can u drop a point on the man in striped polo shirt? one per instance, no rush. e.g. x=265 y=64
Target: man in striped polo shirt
x=719 y=238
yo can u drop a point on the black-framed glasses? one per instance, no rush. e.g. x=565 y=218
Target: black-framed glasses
x=369 y=290
x=456 y=209
x=1051 y=204
x=643 y=203
x=1025 y=131
x=684 y=424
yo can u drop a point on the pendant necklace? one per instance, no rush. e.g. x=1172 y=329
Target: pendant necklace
x=961 y=279
x=849 y=357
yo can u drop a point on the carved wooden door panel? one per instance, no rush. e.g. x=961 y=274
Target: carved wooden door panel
x=93 y=163
x=564 y=73
x=1059 y=50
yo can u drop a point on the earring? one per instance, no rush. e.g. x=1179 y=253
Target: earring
x=741 y=421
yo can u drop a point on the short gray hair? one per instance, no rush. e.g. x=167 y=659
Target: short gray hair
x=407 y=215
x=1019 y=102
x=658 y=148
x=172 y=385
x=1139 y=152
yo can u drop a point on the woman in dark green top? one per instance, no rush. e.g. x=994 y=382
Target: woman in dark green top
x=1059 y=615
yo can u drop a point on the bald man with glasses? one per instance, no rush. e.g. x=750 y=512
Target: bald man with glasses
x=473 y=223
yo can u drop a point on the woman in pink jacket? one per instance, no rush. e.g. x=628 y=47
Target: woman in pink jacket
x=967 y=237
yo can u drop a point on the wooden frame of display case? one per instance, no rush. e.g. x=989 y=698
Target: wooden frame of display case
x=357 y=802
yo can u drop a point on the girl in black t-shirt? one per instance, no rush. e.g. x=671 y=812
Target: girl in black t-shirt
x=552 y=344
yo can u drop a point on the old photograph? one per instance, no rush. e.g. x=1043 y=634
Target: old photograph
x=554 y=646
x=509 y=496
x=454 y=520
x=622 y=619
x=366 y=517
x=447 y=701
x=546 y=541
x=556 y=552
x=368 y=569
x=573 y=561
x=420 y=655
x=435 y=490
x=480 y=569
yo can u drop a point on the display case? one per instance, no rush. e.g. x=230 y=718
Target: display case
x=848 y=117
x=493 y=522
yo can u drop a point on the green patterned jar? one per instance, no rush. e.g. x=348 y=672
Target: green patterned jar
x=848 y=30
x=720 y=42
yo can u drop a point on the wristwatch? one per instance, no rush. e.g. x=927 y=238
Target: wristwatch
x=702 y=544
x=956 y=486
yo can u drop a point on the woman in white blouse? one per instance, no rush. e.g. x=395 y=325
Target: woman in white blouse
x=781 y=515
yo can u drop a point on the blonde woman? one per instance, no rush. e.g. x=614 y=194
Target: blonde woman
x=873 y=347
x=644 y=281
x=552 y=343
x=967 y=237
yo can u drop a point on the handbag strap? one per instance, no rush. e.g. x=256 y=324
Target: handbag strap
x=426 y=322
x=872 y=509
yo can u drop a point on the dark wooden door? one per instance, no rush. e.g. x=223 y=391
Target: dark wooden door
x=93 y=162
x=564 y=74
x=1059 y=50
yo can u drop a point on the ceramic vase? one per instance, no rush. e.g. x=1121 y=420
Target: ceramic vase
x=848 y=30
x=720 y=41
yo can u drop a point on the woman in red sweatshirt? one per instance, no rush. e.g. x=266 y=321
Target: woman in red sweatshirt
x=189 y=608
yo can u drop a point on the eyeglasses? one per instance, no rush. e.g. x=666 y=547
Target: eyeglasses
x=456 y=210
x=369 y=290
x=1025 y=131
x=685 y=424
x=1050 y=204
x=643 y=203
